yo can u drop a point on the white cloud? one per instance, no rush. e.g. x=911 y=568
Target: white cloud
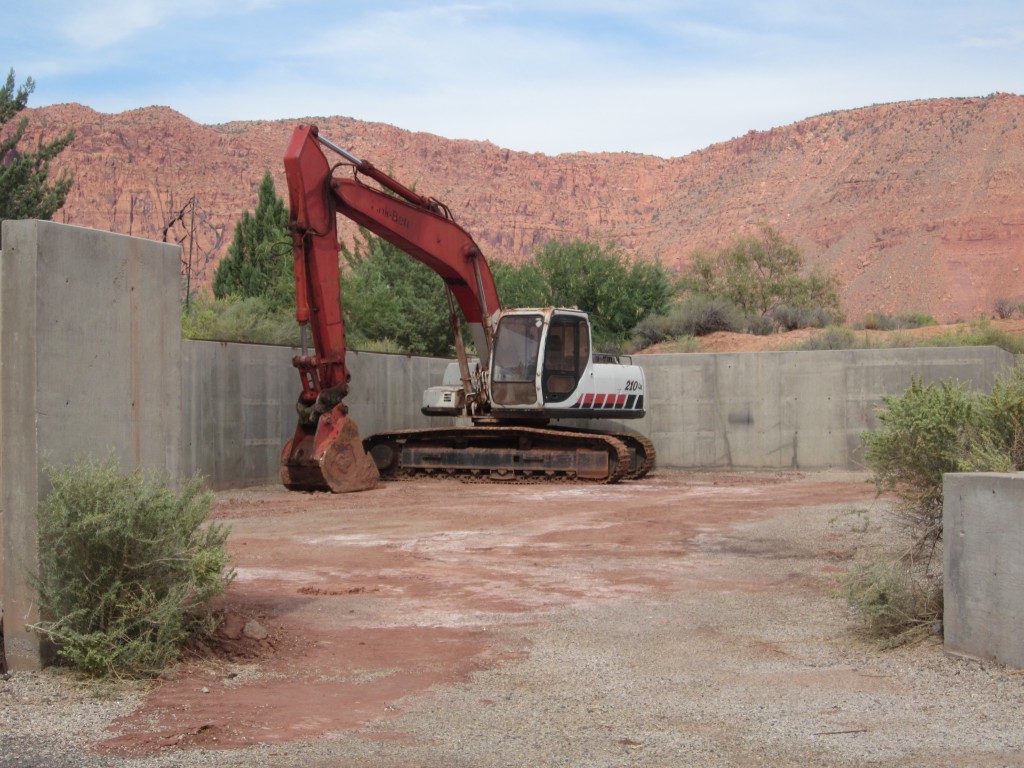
x=102 y=24
x=657 y=76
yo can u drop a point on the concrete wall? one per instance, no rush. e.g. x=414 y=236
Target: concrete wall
x=778 y=410
x=239 y=404
x=774 y=410
x=983 y=534
x=90 y=356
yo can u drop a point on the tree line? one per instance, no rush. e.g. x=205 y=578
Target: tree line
x=393 y=303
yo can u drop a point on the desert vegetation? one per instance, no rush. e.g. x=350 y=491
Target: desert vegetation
x=128 y=565
x=923 y=433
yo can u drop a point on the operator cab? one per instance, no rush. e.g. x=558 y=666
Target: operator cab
x=518 y=365
x=543 y=366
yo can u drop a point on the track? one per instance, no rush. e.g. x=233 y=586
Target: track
x=511 y=453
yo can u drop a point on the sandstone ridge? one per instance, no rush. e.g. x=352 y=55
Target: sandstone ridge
x=914 y=206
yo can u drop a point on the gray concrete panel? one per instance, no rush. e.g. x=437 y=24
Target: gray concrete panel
x=239 y=405
x=983 y=531
x=778 y=410
x=90 y=331
x=238 y=410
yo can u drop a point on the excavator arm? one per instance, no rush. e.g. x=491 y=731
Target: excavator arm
x=420 y=226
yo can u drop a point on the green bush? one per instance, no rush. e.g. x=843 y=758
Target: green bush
x=760 y=325
x=251 y=320
x=702 y=315
x=652 y=330
x=1003 y=423
x=789 y=318
x=922 y=434
x=126 y=567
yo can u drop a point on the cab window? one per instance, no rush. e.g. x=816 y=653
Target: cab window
x=566 y=354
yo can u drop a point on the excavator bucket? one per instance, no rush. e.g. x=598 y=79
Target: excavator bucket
x=329 y=457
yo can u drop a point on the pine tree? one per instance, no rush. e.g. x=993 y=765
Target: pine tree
x=259 y=260
x=24 y=189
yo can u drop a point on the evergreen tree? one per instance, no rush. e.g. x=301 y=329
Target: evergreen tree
x=24 y=189
x=259 y=260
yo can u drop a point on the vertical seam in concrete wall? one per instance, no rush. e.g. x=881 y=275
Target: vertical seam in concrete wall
x=722 y=416
x=135 y=356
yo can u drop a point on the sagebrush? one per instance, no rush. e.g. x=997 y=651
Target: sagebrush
x=127 y=567
x=922 y=434
x=894 y=602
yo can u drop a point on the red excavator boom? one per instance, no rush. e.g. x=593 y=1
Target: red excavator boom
x=534 y=364
x=326 y=441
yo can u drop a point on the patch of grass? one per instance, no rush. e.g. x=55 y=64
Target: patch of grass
x=980 y=333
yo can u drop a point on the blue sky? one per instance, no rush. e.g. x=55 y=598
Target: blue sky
x=663 y=78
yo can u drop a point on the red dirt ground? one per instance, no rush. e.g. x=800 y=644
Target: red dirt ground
x=368 y=598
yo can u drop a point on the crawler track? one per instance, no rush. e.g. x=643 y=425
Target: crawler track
x=510 y=453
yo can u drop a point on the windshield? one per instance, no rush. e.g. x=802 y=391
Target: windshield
x=516 y=347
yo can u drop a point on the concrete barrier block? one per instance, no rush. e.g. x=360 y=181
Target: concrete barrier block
x=983 y=585
x=90 y=345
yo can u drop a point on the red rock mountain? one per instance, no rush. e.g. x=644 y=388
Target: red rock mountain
x=914 y=206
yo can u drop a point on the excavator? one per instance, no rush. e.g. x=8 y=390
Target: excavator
x=532 y=366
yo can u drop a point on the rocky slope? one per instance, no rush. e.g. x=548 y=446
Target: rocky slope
x=915 y=206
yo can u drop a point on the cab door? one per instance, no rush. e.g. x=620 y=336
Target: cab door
x=566 y=356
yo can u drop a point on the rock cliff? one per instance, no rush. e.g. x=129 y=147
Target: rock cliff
x=914 y=206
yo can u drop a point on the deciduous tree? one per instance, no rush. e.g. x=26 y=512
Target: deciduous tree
x=387 y=295
x=602 y=281
x=760 y=274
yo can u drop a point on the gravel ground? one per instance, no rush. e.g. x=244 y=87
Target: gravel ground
x=751 y=662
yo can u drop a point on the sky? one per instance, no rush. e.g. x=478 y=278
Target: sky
x=653 y=77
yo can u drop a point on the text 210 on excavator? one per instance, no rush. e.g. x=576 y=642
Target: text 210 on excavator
x=534 y=365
